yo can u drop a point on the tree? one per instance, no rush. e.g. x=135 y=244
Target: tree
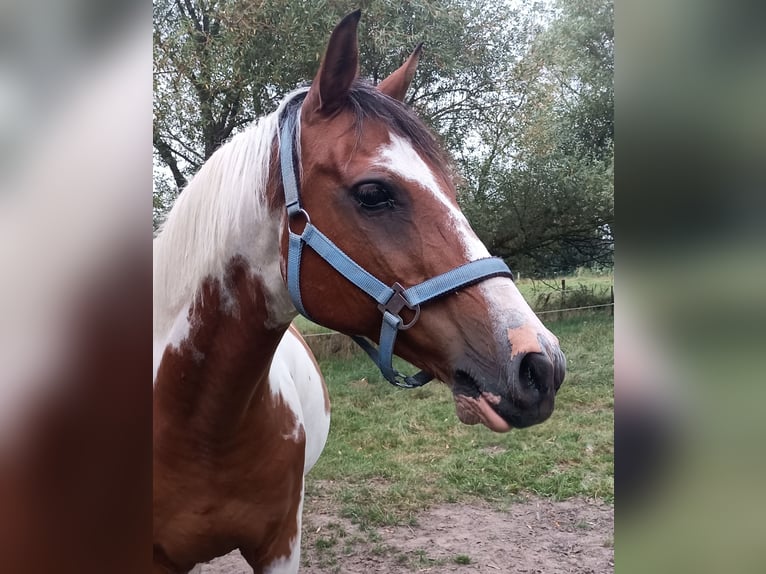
x=543 y=196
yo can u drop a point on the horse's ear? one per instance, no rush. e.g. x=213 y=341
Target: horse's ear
x=397 y=83
x=339 y=68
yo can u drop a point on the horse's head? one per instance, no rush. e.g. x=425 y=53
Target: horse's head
x=374 y=181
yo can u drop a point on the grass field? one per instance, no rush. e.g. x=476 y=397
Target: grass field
x=393 y=453
x=581 y=289
x=531 y=287
x=381 y=497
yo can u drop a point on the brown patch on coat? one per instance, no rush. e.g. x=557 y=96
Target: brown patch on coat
x=227 y=472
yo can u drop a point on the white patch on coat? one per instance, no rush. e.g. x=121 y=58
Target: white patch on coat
x=178 y=333
x=282 y=385
x=295 y=377
x=310 y=387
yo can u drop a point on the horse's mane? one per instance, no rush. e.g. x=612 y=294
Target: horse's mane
x=225 y=202
x=218 y=209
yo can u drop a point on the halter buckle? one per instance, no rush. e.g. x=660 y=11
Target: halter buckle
x=396 y=303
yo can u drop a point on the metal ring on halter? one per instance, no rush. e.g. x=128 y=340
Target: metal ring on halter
x=290 y=218
x=396 y=303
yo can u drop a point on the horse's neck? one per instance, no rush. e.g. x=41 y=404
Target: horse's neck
x=221 y=304
x=212 y=376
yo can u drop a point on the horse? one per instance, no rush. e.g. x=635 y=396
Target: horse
x=341 y=204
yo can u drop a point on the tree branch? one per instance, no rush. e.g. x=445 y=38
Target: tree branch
x=167 y=155
x=197 y=158
x=192 y=16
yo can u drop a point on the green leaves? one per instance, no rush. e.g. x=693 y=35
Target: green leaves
x=541 y=191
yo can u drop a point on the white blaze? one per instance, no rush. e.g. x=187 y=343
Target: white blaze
x=401 y=158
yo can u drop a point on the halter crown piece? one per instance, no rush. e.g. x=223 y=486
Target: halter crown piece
x=391 y=300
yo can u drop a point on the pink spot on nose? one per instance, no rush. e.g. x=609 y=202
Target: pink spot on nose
x=523 y=339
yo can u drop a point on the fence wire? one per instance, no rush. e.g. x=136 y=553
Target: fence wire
x=574 y=308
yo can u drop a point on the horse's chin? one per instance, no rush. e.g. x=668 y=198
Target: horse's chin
x=474 y=406
x=474 y=410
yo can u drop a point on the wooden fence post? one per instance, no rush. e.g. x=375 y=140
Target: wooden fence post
x=563 y=297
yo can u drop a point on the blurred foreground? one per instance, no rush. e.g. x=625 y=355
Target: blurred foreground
x=689 y=324
x=75 y=288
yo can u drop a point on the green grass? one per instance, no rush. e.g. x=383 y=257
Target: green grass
x=393 y=453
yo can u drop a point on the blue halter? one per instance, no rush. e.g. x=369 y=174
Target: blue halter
x=391 y=300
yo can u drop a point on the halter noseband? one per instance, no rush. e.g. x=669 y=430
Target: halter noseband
x=391 y=300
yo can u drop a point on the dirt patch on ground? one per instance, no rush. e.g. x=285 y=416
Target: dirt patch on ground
x=535 y=536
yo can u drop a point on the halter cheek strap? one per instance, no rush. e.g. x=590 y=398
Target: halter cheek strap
x=391 y=300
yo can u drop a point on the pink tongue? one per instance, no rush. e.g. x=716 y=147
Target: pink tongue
x=471 y=411
x=490 y=418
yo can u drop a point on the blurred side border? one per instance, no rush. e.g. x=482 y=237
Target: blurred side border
x=75 y=287
x=691 y=273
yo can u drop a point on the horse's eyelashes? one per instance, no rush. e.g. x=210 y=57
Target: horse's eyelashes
x=373 y=196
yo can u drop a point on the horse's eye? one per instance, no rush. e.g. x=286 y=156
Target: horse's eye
x=373 y=196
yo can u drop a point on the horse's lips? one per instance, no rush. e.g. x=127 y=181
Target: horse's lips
x=473 y=410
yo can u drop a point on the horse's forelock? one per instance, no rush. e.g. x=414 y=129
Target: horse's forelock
x=367 y=102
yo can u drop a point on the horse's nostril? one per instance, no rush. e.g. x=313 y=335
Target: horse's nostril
x=536 y=370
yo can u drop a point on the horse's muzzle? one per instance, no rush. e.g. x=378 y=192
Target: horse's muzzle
x=519 y=395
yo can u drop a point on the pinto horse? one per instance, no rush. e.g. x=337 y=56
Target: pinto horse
x=331 y=206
